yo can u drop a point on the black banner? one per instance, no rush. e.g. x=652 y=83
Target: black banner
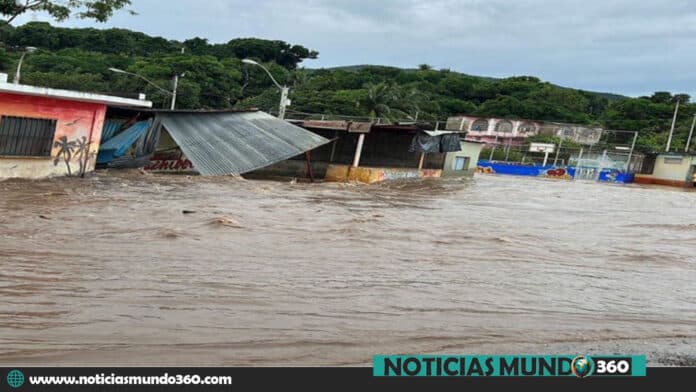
x=30 y=379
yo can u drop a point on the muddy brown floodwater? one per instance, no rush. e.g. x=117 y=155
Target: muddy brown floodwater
x=130 y=269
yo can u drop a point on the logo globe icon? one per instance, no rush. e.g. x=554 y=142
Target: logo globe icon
x=581 y=367
x=15 y=378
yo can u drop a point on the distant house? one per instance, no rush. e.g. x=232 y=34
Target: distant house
x=47 y=132
x=508 y=131
x=669 y=168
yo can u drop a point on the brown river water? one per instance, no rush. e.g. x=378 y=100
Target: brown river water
x=124 y=268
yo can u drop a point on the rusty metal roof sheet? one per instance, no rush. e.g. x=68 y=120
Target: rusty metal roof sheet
x=236 y=143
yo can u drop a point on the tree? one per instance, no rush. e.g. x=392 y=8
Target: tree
x=408 y=101
x=99 y=10
x=378 y=100
x=682 y=98
x=661 y=97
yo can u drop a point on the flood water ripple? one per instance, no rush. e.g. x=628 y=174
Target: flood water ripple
x=125 y=268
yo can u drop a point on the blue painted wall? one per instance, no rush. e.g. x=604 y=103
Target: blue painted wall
x=550 y=171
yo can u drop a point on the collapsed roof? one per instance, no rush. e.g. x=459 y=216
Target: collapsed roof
x=223 y=143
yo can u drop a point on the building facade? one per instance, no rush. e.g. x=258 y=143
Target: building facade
x=514 y=132
x=672 y=169
x=48 y=132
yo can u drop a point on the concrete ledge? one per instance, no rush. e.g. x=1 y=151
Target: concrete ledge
x=370 y=175
x=649 y=180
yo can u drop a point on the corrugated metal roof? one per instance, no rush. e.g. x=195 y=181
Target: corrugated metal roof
x=236 y=143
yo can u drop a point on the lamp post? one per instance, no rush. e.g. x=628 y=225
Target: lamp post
x=27 y=50
x=284 y=90
x=173 y=93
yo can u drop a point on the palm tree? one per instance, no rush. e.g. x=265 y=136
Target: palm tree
x=66 y=151
x=379 y=99
x=82 y=147
x=409 y=102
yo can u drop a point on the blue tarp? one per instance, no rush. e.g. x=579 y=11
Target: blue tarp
x=110 y=128
x=118 y=145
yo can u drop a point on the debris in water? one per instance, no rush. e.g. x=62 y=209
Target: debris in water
x=169 y=233
x=226 y=221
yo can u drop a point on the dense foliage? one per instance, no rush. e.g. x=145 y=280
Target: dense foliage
x=215 y=77
x=99 y=10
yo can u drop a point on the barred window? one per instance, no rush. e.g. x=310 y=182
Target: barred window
x=479 y=126
x=26 y=137
x=504 y=126
x=526 y=128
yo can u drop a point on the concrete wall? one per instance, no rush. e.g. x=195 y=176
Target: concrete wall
x=371 y=175
x=79 y=123
x=469 y=150
x=673 y=174
x=671 y=171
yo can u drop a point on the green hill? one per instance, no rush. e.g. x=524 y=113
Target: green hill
x=215 y=78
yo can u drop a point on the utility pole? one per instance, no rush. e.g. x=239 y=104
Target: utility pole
x=174 y=92
x=577 y=164
x=176 y=85
x=284 y=102
x=630 y=154
x=560 y=144
x=495 y=144
x=671 y=131
x=691 y=133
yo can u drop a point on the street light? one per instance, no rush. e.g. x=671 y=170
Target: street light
x=172 y=93
x=284 y=90
x=27 y=50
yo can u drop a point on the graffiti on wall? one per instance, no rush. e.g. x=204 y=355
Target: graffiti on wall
x=484 y=170
x=78 y=149
x=558 y=174
x=173 y=161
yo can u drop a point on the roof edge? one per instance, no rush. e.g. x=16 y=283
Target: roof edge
x=70 y=95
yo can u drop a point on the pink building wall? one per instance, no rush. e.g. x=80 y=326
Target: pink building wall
x=76 y=142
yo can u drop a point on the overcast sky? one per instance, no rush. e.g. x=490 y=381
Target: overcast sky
x=632 y=47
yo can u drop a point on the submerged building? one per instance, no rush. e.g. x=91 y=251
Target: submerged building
x=210 y=143
x=366 y=152
x=669 y=168
x=49 y=132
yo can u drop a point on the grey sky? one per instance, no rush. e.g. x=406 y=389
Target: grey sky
x=633 y=47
